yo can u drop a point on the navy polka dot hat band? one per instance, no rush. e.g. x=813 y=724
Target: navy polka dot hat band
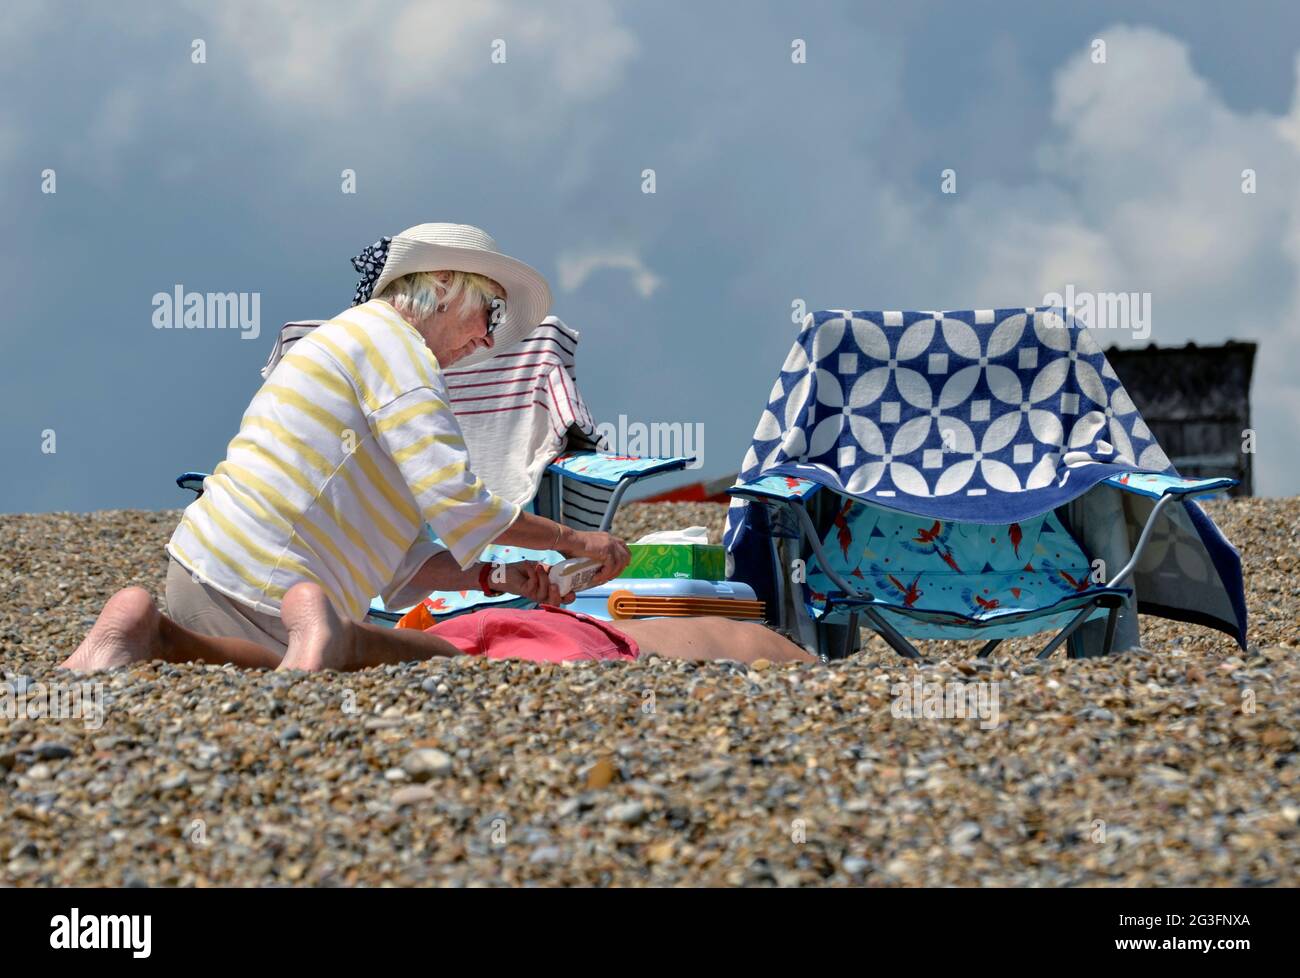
x=370 y=264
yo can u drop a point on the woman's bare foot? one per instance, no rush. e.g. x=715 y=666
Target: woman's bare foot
x=125 y=632
x=318 y=637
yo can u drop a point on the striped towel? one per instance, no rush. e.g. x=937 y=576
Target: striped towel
x=290 y=333
x=517 y=409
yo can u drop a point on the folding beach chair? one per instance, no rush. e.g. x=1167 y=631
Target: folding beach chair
x=531 y=440
x=972 y=475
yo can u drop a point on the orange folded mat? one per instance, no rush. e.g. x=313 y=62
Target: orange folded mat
x=625 y=604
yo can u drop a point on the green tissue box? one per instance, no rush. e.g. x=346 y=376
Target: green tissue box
x=700 y=562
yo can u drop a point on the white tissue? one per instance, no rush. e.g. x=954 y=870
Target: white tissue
x=697 y=535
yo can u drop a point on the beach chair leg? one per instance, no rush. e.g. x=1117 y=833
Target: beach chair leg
x=891 y=635
x=611 y=508
x=1067 y=631
x=778 y=580
x=1109 y=641
x=988 y=648
x=850 y=637
x=1096 y=637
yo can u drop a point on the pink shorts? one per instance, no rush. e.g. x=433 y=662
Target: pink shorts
x=543 y=634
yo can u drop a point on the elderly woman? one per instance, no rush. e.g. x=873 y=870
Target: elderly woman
x=342 y=456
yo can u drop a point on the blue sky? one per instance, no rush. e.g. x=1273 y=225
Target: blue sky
x=775 y=181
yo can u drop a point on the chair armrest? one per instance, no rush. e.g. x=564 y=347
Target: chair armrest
x=1155 y=485
x=781 y=488
x=1164 y=489
x=192 y=481
x=608 y=469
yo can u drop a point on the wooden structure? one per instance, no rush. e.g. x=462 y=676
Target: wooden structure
x=1196 y=401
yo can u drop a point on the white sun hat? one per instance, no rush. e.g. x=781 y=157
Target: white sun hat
x=465 y=248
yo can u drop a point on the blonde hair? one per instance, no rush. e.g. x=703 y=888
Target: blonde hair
x=417 y=295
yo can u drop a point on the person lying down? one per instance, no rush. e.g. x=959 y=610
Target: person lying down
x=131 y=629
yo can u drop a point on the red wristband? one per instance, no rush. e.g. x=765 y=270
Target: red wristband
x=483 y=585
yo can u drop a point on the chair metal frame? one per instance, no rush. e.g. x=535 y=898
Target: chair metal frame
x=555 y=494
x=868 y=602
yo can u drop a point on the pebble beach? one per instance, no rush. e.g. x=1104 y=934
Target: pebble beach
x=1175 y=765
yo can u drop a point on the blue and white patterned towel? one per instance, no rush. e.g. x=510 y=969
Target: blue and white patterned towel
x=981 y=416
x=984 y=415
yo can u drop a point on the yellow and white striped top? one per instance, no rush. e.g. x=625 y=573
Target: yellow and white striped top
x=346 y=450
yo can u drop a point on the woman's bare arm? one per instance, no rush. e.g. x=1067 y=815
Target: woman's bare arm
x=538 y=533
x=526 y=578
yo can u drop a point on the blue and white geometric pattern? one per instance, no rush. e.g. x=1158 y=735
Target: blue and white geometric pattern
x=967 y=411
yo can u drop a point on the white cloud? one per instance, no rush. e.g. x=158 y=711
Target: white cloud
x=576 y=267
x=1154 y=159
x=317 y=68
x=368 y=61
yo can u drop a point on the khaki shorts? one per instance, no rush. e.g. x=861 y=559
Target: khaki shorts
x=203 y=609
